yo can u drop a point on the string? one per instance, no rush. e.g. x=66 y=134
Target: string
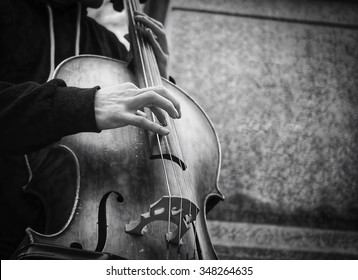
x=156 y=80
x=177 y=142
x=150 y=73
x=147 y=84
x=147 y=58
x=152 y=58
x=139 y=42
x=172 y=125
x=149 y=52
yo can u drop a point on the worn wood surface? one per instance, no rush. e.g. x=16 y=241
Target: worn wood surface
x=118 y=182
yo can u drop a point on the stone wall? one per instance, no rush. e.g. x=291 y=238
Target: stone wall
x=279 y=80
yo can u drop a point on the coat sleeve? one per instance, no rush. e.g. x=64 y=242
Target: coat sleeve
x=33 y=115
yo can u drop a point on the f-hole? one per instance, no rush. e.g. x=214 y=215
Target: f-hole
x=165 y=152
x=161 y=148
x=102 y=220
x=172 y=158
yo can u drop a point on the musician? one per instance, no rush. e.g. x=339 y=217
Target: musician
x=35 y=110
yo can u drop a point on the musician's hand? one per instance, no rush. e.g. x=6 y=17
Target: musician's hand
x=120 y=105
x=154 y=31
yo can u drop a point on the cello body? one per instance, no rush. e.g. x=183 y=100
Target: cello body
x=110 y=182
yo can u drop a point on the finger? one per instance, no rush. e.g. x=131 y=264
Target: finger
x=156 y=22
x=160 y=115
x=150 y=99
x=147 y=124
x=158 y=36
x=121 y=87
x=148 y=33
x=127 y=86
x=165 y=93
x=157 y=112
x=160 y=49
x=141 y=113
x=158 y=30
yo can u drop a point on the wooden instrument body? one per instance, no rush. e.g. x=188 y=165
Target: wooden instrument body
x=115 y=180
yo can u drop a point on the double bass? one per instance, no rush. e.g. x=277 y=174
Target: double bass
x=128 y=192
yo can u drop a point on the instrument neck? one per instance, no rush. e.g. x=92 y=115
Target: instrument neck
x=145 y=62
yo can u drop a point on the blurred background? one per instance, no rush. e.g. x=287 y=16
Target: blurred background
x=279 y=80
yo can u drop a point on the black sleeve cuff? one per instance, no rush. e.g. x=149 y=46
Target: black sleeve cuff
x=74 y=110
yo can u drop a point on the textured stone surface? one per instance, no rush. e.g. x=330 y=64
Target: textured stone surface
x=303 y=10
x=283 y=97
x=260 y=241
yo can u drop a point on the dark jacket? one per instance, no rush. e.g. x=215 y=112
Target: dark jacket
x=33 y=112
